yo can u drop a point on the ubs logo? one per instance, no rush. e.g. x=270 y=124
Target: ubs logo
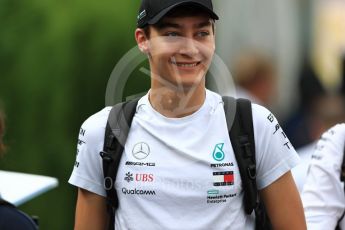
x=141 y=150
x=144 y=177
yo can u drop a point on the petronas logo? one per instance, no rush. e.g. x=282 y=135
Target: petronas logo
x=218 y=153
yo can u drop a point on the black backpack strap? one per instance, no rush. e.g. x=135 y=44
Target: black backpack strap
x=116 y=132
x=342 y=172
x=241 y=134
x=241 y=131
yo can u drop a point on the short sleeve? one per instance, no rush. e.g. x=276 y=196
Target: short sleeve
x=88 y=172
x=275 y=155
x=323 y=193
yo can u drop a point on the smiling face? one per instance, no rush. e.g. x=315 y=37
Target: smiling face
x=180 y=50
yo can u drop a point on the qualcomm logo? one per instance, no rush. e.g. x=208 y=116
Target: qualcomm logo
x=135 y=191
x=218 y=153
x=141 y=150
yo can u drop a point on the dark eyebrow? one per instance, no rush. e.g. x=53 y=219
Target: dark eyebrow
x=203 y=24
x=163 y=25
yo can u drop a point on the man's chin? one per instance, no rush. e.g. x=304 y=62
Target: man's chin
x=190 y=78
x=188 y=84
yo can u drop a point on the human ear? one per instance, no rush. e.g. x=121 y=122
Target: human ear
x=142 y=40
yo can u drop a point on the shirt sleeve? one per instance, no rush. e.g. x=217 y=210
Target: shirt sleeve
x=88 y=170
x=275 y=155
x=323 y=194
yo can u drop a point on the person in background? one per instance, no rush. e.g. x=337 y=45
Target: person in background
x=326 y=111
x=323 y=194
x=10 y=217
x=310 y=89
x=255 y=77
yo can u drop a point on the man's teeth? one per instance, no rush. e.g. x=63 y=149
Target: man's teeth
x=186 y=65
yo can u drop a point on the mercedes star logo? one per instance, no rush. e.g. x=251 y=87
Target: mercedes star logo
x=141 y=150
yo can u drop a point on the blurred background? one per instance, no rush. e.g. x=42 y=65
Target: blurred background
x=56 y=58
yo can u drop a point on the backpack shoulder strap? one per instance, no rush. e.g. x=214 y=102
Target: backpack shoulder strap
x=342 y=172
x=116 y=132
x=241 y=132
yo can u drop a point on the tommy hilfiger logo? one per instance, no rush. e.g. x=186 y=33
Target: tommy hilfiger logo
x=218 y=153
x=223 y=178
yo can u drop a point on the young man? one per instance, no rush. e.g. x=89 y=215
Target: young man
x=323 y=193
x=179 y=138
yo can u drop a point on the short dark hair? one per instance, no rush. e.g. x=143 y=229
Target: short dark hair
x=2 y=132
x=181 y=11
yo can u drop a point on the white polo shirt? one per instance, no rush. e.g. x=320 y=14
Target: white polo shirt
x=181 y=173
x=323 y=193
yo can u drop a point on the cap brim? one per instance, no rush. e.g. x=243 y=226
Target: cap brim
x=161 y=14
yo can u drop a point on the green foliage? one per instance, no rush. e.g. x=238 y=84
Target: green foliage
x=55 y=60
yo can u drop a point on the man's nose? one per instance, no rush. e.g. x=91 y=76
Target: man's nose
x=189 y=47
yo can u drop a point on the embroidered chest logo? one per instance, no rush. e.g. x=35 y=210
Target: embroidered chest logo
x=141 y=150
x=129 y=177
x=218 y=153
x=223 y=178
x=143 y=177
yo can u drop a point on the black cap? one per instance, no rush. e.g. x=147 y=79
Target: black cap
x=151 y=11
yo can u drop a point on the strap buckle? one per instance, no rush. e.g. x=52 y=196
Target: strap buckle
x=106 y=156
x=251 y=170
